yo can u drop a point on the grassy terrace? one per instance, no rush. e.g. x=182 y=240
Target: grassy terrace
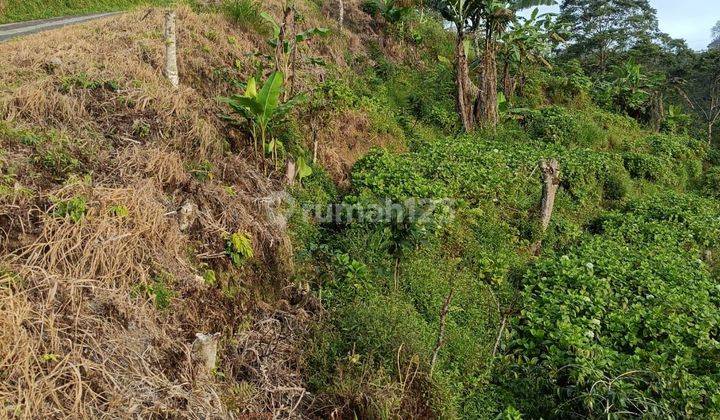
x=24 y=10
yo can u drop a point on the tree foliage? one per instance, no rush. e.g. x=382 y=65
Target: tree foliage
x=604 y=29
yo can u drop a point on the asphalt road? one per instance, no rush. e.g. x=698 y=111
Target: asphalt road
x=13 y=30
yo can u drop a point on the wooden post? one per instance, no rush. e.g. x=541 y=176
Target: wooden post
x=341 y=13
x=171 y=68
x=204 y=353
x=290 y=172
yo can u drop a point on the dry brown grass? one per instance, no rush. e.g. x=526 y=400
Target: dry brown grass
x=80 y=333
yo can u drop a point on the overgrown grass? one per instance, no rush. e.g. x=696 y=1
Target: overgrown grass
x=23 y=10
x=246 y=14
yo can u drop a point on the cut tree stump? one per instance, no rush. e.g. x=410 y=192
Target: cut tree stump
x=204 y=352
x=550 y=170
x=551 y=181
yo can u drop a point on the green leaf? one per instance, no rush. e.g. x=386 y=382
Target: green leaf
x=303 y=169
x=269 y=19
x=269 y=96
x=251 y=88
x=304 y=36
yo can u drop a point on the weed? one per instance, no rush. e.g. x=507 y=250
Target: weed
x=119 y=211
x=209 y=277
x=159 y=291
x=202 y=171
x=75 y=209
x=239 y=248
x=246 y=14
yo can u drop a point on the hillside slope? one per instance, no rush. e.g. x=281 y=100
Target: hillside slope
x=141 y=226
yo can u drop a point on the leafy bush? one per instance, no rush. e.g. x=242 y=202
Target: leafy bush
x=641 y=165
x=711 y=182
x=627 y=321
x=557 y=125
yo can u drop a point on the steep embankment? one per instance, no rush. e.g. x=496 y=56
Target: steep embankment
x=120 y=202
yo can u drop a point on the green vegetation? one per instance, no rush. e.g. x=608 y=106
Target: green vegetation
x=625 y=321
x=239 y=248
x=75 y=209
x=261 y=108
x=420 y=271
x=22 y=10
x=593 y=327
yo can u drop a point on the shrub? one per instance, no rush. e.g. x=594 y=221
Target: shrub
x=559 y=126
x=625 y=320
x=644 y=166
x=711 y=182
x=553 y=125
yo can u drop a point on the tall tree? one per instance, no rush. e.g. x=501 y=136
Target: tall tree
x=604 y=29
x=496 y=16
x=699 y=85
x=468 y=16
x=715 y=44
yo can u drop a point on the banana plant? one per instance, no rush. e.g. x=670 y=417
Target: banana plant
x=261 y=107
x=527 y=41
x=286 y=44
x=491 y=17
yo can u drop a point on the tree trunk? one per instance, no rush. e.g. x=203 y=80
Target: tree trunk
x=710 y=133
x=508 y=82
x=171 y=68
x=462 y=82
x=657 y=112
x=486 y=107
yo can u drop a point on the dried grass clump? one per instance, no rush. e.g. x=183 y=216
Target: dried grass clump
x=80 y=333
x=104 y=246
x=106 y=77
x=264 y=362
x=165 y=166
x=80 y=348
x=79 y=336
